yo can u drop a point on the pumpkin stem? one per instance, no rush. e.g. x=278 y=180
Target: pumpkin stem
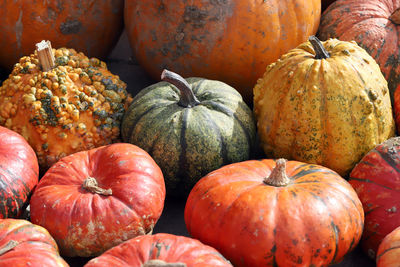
x=278 y=175
x=91 y=185
x=188 y=99
x=10 y=245
x=320 y=51
x=45 y=55
x=395 y=17
x=161 y=263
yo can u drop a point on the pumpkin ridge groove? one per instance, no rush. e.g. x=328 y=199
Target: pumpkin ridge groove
x=182 y=163
x=324 y=111
x=390 y=161
x=386 y=250
x=372 y=182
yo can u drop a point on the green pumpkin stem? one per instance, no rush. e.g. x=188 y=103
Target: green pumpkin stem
x=45 y=55
x=9 y=246
x=278 y=175
x=161 y=263
x=188 y=99
x=320 y=51
x=90 y=184
x=395 y=17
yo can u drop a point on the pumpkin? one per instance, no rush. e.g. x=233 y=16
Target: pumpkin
x=190 y=127
x=388 y=252
x=93 y=200
x=376 y=181
x=19 y=171
x=160 y=250
x=25 y=244
x=92 y=27
x=231 y=41
x=275 y=213
x=323 y=103
x=374 y=25
x=62 y=102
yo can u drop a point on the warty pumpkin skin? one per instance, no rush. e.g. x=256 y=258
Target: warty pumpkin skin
x=19 y=173
x=374 y=25
x=275 y=213
x=93 y=200
x=25 y=244
x=329 y=111
x=92 y=27
x=190 y=131
x=230 y=41
x=160 y=249
x=389 y=250
x=77 y=105
x=376 y=181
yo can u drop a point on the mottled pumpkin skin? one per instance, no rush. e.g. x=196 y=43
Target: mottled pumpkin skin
x=188 y=143
x=19 y=173
x=325 y=111
x=86 y=224
x=78 y=105
x=167 y=247
x=389 y=250
x=92 y=27
x=35 y=246
x=367 y=22
x=229 y=41
x=376 y=180
x=313 y=221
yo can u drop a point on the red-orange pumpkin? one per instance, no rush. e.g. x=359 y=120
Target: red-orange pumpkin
x=25 y=244
x=376 y=179
x=262 y=213
x=389 y=250
x=93 y=200
x=19 y=173
x=92 y=27
x=158 y=249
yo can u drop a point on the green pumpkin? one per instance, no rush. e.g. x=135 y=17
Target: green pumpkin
x=190 y=127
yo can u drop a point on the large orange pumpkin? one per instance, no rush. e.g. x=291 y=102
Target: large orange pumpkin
x=92 y=27
x=231 y=41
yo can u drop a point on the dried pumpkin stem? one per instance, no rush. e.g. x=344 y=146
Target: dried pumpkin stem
x=45 y=55
x=278 y=175
x=320 y=51
x=188 y=99
x=10 y=245
x=91 y=185
x=395 y=17
x=161 y=263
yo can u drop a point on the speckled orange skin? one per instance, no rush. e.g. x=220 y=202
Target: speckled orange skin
x=92 y=27
x=313 y=221
x=231 y=41
x=36 y=249
x=86 y=224
x=389 y=250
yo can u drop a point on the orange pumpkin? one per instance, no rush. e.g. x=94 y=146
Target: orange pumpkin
x=231 y=41
x=389 y=250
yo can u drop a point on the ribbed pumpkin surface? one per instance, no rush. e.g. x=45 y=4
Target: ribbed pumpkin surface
x=389 y=250
x=189 y=142
x=325 y=111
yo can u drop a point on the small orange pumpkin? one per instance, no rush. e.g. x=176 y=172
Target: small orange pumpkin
x=389 y=250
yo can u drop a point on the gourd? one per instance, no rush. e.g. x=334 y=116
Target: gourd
x=389 y=248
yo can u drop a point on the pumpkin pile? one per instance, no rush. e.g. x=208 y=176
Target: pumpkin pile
x=283 y=150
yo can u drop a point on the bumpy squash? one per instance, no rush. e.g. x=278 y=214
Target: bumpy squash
x=190 y=129
x=73 y=105
x=325 y=103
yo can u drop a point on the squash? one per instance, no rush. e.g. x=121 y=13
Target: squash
x=160 y=250
x=376 y=181
x=19 y=172
x=93 y=200
x=190 y=127
x=275 y=213
x=62 y=102
x=230 y=41
x=374 y=25
x=92 y=27
x=324 y=103
x=388 y=251
x=25 y=244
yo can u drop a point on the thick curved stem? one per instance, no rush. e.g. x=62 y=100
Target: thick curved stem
x=395 y=17
x=45 y=55
x=90 y=184
x=278 y=175
x=188 y=99
x=320 y=51
x=161 y=263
